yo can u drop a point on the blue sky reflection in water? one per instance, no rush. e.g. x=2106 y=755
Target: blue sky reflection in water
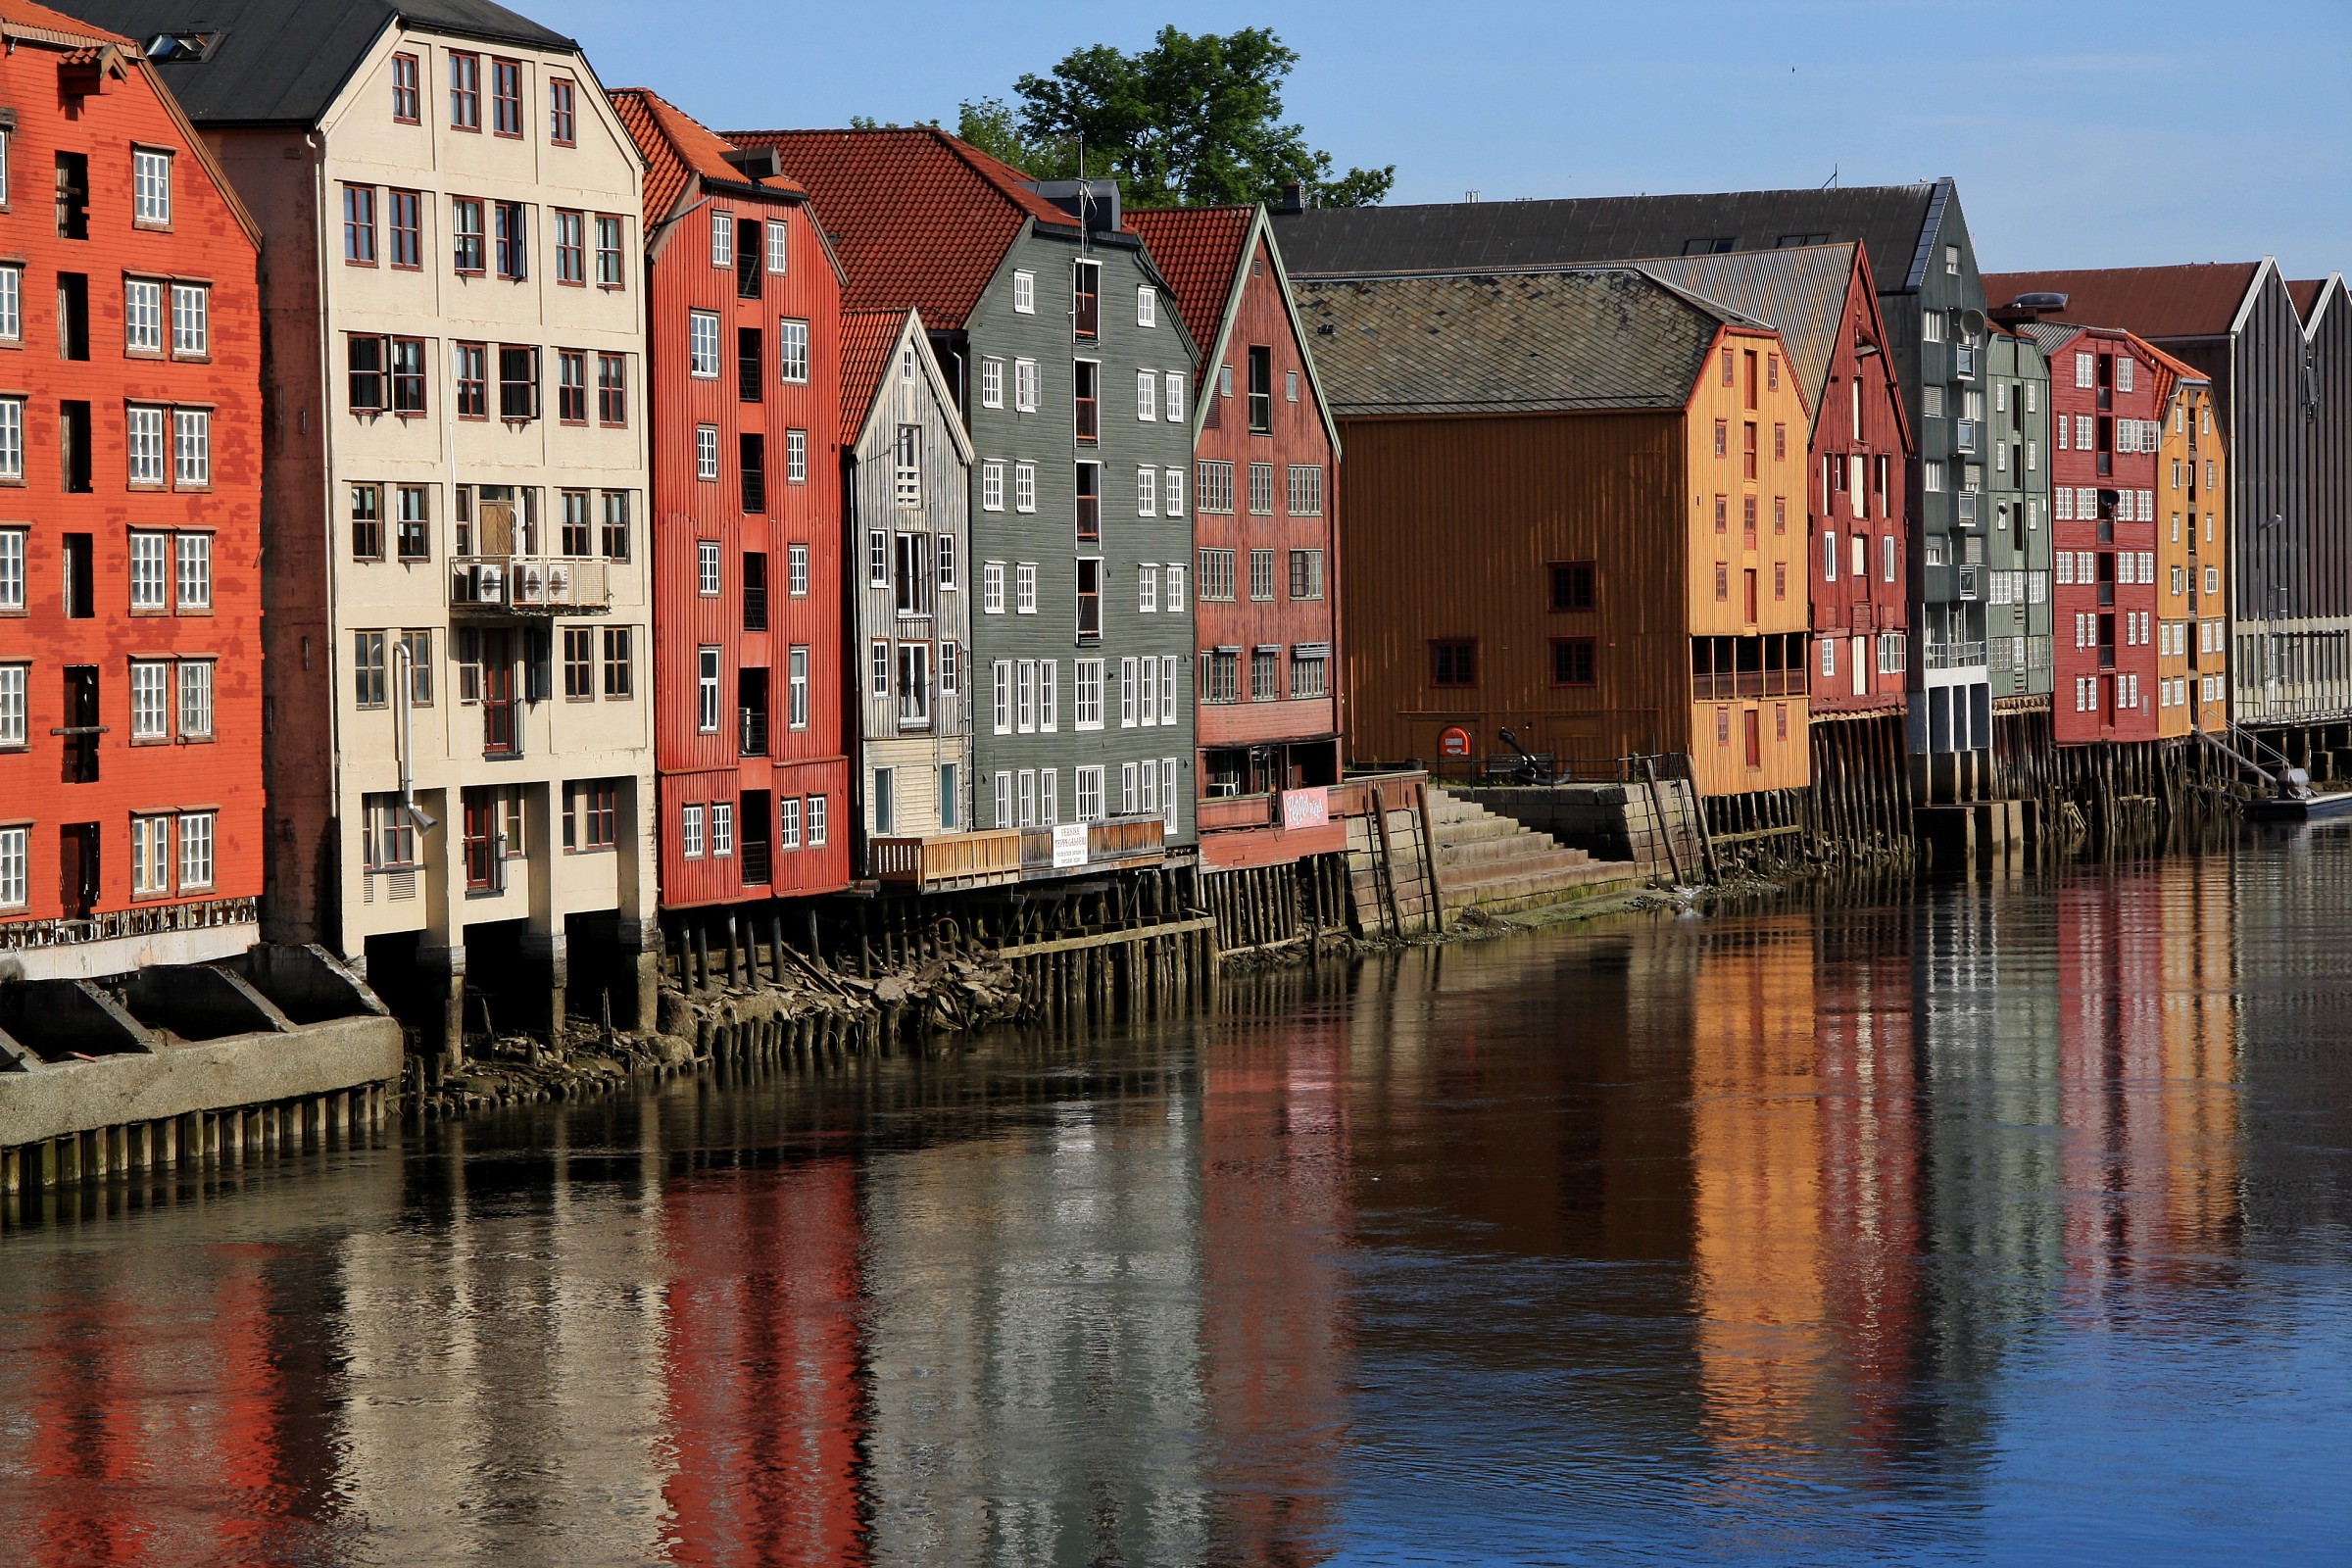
x=2009 y=1226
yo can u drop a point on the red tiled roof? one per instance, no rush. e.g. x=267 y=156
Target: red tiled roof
x=918 y=218
x=2156 y=302
x=25 y=13
x=867 y=339
x=1198 y=251
x=676 y=145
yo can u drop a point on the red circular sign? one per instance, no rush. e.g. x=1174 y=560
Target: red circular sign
x=1453 y=741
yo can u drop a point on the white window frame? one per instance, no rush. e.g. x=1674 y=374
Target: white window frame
x=1026 y=386
x=1024 y=588
x=777 y=235
x=722 y=242
x=1147 y=395
x=992 y=485
x=792 y=351
x=992 y=587
x=1024 y=293
x=151 y=186
x=1024 y=487
x=992 y=383
x=1146 y=305
x=702 y=345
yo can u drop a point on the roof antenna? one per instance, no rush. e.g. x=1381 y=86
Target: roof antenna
x=1832 y=181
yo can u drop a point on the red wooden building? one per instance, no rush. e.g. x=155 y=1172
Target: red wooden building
x=2107 y=398
x=1265 y=511
x=131 y=708
x=744 y=349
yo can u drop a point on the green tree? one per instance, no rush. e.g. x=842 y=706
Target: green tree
x=1192 y=120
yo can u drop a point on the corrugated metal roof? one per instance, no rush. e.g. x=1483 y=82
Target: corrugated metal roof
x=1801 y=290
x=1198 y=251
x=917 y=217
x=283 y=60
x=1890 y=221
x=2199 y=300
x=1610 y=337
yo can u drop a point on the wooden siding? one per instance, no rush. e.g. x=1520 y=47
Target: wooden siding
x=1860 y=416
x=696 y=767
x=2014 y=518
x=2094 y=697
x=1260 y=317
x=1774 y=555
x=1044 y=537
x=870 y=490
x=2192 y=536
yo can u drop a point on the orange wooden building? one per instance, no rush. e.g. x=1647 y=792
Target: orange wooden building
x=1576 y=510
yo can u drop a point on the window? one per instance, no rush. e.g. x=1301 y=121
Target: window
x=12 y=302
x=1216 y=574
x=1172 y=399
x=572 y=386
x=150 y=708
x=620 y=679
x=359 y=225
x=417 y=649
x=950 y=668
x=609 y=262
x=12 y=438
x=150 y=856
x=1262 y=489
x=1572 y=660
x=992 y=486
x=563 y=112
x=404 y=107
x=779 y=245
x=1265 y=674
x=791 y=339
x=368 y=684
x=1024 y=386
x=1147 y=589
x=796 y=456
x=706 y=569
x=1453 y=663
x=147 y=551
x=1024 y=487
x=722 y=829
x=1147 y=394
x=611 y=389
x=1829 y=558
x=465 y=91
x=797 y=690
x=1147 y=308
x=907 y=488
x=151 y=186
x=1306 y=574
x=1215 y=489
x=12 y=569
x=1261 y=575
x=1306 y=490
x=706 y=452
x=144 y=428
x=722 y=239
x=142 y=315
x=195 y=570
x=1086 y=403
x=1090 y=597
x=702 y=344
x=707 y=690
x=1173 y=493
x=1931 y=327
x=1261 y=389
x=406 y=358
x=992 y=383
x=914 y=685
x=364 y=357
x=1024 y=293
x=367 y=522
x=579 y=663
x=690 y=832
x=472 y=364
x=466 y=234
x=1025 y=597
x=1146 y=492
x=518 y=382
x=571 y=248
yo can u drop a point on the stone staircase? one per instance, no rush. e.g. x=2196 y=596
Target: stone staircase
x=1488 y=863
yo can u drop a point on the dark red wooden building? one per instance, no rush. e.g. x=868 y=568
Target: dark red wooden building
x=130 y=697
x=744 y=349
x=1265 y=521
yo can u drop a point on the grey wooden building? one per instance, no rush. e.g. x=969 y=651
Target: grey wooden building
x=907 y=503
x=1074 y=377
x=1933 y=305
x=2014 y=503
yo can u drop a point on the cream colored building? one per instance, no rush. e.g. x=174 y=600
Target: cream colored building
x=457 y=582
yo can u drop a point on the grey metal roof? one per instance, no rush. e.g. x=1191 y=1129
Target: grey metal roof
x=1801 y=290
x=283 y=60
x=1606 y=337
x=1890 y=221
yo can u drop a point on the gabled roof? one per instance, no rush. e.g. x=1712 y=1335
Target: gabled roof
x=1199 y=251
x=1603 y=337
x=2164 y=303
x=283 y=60
x=1211 y=249
x=1891 y=221
x=2305 y=292
x=2052 y=336
x=677 y=148
x=869 y=343
x=1800 y=289
x=918 y=218
x=24 y=20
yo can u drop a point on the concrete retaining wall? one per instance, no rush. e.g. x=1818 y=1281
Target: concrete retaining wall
x=1608 y=821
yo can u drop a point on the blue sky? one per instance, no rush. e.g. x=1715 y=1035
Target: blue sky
x=2083 y=134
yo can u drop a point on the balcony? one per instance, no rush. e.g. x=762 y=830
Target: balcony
x=1963 y=435
x=945 y=860
x=1955 y=655
x=530 y=584
x=751 y=728
x=1118 y=840
x=1964 y=361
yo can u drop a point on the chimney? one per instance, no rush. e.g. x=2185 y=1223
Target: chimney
x=1293 y=198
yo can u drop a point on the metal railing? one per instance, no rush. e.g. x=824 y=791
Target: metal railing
x=17 y=936
x=528 y=583
x=751 y=731
x=1955 y=655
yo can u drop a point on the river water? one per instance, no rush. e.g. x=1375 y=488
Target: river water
x=2008 y=1225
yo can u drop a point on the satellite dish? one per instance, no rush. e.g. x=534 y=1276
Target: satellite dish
x=1972 y=321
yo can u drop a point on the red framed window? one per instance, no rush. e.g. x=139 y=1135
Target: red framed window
x=465 y=92
x=1453 y=662
x=404 y=97
x=572 y=387
x=468 y=245
x=1572 y=661
x=563 y=112
x=611 y=389
x=359 y=225
x=473 y=379
x=505 y=97
x=571 y=248
x=405 y=229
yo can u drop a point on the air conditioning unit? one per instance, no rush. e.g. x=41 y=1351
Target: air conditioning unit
x=530 y=585
x=489 y=585
x=558 y=583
